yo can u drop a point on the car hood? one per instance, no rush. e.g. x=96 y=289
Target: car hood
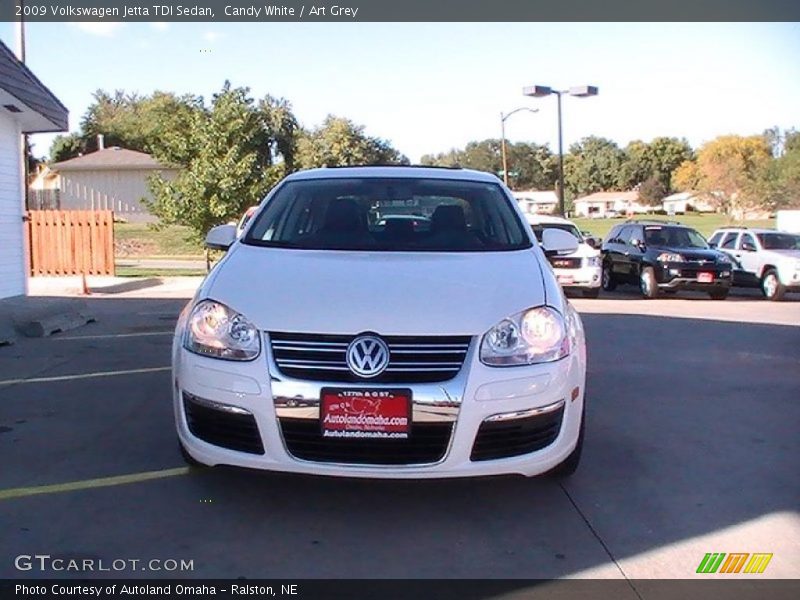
x=695 y=253
x=337 y=292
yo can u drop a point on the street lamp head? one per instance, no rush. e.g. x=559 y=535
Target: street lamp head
x=582 y=91
x=537 y=91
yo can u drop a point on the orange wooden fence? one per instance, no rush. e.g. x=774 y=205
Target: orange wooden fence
x=71 y=242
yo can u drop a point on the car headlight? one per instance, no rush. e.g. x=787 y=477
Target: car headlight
x=534 y=336
x=215 y=330
x=591 y=261
x=670 y=257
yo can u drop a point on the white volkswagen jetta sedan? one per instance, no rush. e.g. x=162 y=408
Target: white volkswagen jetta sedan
x=383 y=322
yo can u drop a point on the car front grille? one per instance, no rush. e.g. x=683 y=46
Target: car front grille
x=426 y=444
x=515 y=437
x=412 y=359
x=565 y=263
x=224 y=428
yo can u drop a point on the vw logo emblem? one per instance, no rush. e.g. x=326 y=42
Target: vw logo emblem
x=367 y=356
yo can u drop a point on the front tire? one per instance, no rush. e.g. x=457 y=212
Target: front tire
x=647 y=283
x=609 y=284
x=772 y=287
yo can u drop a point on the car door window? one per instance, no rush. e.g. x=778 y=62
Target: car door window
x=714 y=240
x=729 y=241
x=747 y=243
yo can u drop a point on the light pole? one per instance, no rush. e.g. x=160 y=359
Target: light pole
x=581 y=91
x=503 y=118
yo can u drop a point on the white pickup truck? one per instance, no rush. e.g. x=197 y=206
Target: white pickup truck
x=765 y=258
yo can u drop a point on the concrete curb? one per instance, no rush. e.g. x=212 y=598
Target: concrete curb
x=33 y=316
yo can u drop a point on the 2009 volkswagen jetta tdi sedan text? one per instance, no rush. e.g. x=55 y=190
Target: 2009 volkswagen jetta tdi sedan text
x=383 y=322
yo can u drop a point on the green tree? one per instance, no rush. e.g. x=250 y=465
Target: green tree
x=658 y=159
x=65 y=147
x=530 y=166
x=231 y=163
x=340 y=142
x=592 y=165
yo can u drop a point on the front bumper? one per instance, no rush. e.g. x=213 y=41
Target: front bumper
x=676 y=276
x=486 y=395
x=581 y=278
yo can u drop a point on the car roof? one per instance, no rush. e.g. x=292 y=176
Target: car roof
x=748 y=229
x=410 y=172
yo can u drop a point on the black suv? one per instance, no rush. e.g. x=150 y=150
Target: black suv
x=664 y=256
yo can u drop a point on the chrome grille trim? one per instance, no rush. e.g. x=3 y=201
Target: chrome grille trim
x=413 y=359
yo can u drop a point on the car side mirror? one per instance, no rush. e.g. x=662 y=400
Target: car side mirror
x=221 y=237
x=558 y=241
x=712 y=244
x=592 y=243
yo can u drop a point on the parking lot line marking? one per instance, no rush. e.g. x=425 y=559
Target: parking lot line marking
x=113 y=335
x=82 y=376
x=91 y=483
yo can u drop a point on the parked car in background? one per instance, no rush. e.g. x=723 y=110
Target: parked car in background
x=659 y=256
x=579 y=271
x=765 y=258
x=325 y=343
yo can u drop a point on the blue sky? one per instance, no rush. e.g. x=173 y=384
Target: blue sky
x=428 y=87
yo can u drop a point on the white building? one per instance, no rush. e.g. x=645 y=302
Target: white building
x=109 y=179
x=601 y=205
x=682 y=202
x=26 y=106
x=537 y=203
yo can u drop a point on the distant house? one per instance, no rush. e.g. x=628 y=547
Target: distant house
x=683 y=202
x=109 y=179
x=609 y=204
x=26 y=106
x=537 y=203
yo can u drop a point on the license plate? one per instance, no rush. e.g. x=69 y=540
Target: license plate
x=705 y=277
x=565 y=279
x=365 y=413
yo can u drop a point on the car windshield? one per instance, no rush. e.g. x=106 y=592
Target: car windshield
x=383 y=214
x=779 y=241
x=673 y=237
x=538 y=228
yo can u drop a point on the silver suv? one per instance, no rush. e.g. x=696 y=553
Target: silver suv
x=765 y=258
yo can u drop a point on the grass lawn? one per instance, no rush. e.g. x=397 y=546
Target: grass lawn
x=136 y=272
x=141 y=240
x=704 y=223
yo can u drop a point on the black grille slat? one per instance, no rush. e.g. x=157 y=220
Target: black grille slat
x=516 y=437
x=222 y=428
x=426 y=444
x=413 y=359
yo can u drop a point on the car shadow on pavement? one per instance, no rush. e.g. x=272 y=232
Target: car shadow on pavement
x=691 y=431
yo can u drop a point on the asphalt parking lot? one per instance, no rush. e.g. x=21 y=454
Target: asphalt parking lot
x=692 y=447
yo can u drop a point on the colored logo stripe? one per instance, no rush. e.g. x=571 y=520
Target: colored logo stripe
x=758 y=563
x=734 y=562
x=711 y=562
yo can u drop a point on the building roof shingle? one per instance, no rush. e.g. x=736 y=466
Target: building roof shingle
x=18 y=81
x=109 y=159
